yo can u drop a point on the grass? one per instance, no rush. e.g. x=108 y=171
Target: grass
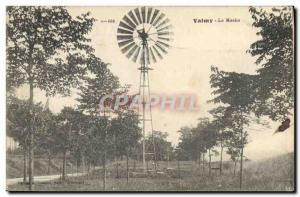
x=274 y=174
x=14 y=166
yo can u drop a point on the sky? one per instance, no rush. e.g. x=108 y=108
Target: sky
x=186 y=67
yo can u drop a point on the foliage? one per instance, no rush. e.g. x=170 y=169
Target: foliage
x=46 y=47
x=274 y=84
x=163 y=148
x=101 y=81
x=126 y=132
x=18 y=118
x=197 y=139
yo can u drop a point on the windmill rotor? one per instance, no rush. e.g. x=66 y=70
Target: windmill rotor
x=144 y=35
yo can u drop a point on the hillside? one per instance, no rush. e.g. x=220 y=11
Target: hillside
x=14 y=166
x=271 y=174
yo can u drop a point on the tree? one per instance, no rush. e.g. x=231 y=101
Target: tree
x=274 y=84
x=197 y=141
x=46 y=49
x=185 y=146
x=71 y=133
x=126 y=134
x=99 y=83
x=18 y=118
x=65 y=126
x=45 y=139
x=232 y=89
x=208 y=136
x=17 y=121
x=234 y=155
x=83 y=141
x=233 y=147
x=220 y=121
x=163 y=148
x=98 y=132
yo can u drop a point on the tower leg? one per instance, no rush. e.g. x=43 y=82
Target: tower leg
x=144 y=83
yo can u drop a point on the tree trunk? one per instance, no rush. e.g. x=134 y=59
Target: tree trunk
x=117 y=169
x=25 y=164
x=234 y=168
x=147 y=166
x=89 y=167
x=77 y=166
x=83 y=162
x=178 y=166
x=203 y=162
x=241 y=168
x=199 y=160
x=72 y=169
x=221 y=159
x=31 y=139
x=64 y=165
x=209 y=163
x=49 y=164
x=104 y=170
x=127 y=166
x=168 y=157
x=134 y=165
x=242 y=151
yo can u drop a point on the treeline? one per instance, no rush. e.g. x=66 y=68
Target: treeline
x=85 y=140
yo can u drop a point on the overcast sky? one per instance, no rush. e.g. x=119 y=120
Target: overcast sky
x=186 y=67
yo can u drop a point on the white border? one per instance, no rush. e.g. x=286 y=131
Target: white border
x=3 y=5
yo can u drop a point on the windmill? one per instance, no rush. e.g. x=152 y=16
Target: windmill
x=143 y=36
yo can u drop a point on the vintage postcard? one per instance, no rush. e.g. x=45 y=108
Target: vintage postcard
x=150 y=99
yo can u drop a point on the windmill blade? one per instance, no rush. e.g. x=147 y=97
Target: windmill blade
x=161 y=47
x=162 y=38
x=162 y=15
x=136 y=55
x=164 y=44
x=152 y=55
x=125 y=26
x=125 y=49
x=159 y=43
x=124 y=37
x=129 y=22
x=123 y=43
x=137 y=13
x=131 y=52
x=154 y=15
x=164 y=33
x=149 y=29
x=149 y=14
x=157 y=52
x=144 y=14
x=123 y=31
x=163 y=23
x=165 y=28
x=131 y=15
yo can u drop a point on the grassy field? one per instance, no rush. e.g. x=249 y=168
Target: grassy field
x=274 y=174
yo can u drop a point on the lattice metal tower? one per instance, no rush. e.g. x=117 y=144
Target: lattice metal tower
x=143 y=36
